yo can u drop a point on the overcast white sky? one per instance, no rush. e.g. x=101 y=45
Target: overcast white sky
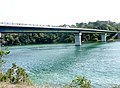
x=57 y=12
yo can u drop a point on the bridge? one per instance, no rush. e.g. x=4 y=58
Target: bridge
x=35 y=28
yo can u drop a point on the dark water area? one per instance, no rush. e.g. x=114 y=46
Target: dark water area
x=60 y=63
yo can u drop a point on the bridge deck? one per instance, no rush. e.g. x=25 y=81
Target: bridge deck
x=6 y=27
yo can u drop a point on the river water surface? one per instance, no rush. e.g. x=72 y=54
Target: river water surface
x=60 y=63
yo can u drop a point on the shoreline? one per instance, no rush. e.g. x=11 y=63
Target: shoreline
x=8 y=85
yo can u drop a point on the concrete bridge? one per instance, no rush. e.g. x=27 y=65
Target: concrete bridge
x=34 y=28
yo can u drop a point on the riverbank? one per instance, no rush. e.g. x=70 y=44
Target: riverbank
x=8 y=85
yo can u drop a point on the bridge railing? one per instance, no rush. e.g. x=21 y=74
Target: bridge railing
x=23 y=24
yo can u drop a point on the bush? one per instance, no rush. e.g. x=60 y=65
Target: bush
x=80 y=82
x=2 y=53
x=15 y=75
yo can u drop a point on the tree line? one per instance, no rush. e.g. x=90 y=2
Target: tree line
x=44 y=38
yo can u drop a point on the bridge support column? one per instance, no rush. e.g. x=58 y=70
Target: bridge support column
x=103 y=37
x=78 y=39
x=118 y=35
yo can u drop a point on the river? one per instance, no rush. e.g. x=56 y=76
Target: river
x=60 y=63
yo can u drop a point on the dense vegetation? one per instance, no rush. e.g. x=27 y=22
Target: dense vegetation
x=43 y=38
x=36 y=38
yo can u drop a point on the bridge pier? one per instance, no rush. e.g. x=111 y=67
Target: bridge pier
x=78 y=39
x=118 y=35
x=103 y=37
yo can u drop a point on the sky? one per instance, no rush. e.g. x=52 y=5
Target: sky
x=58 y=12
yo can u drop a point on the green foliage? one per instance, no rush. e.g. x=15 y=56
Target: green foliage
x=15 y=75
x=36 y=38
x=2 y=53
x=80 y=82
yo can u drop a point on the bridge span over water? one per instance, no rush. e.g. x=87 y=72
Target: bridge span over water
x=34 y=28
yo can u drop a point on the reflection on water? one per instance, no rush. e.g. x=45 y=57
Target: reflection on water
x=60 y=63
